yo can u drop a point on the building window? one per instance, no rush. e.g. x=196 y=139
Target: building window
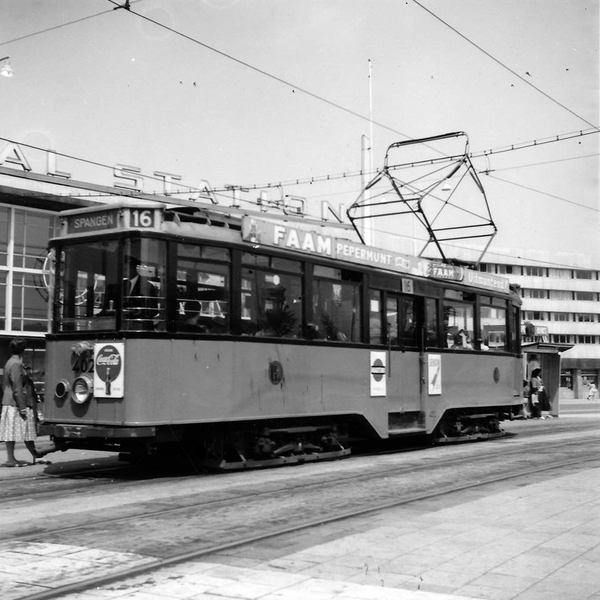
x=559 y=273
x=585 y=339
x=585 y=318
x=4 y=230
x=581 y=274
x=2 y=299
x=32 y=232
x=586 y=296
x=529 y=293
x=535 y=271
x=560 y=338
x=561 y=295
x=505 y=270
x=535 y=315
x=24 y=236
x=559 y=316
x=30 y=304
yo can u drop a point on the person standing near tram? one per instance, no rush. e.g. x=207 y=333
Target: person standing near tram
x=536 y=388
x=19 y=405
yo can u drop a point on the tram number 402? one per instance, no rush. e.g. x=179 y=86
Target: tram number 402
x=142 y=218
x=81 y=364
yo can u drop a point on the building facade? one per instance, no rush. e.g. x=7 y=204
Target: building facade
x=561 y=306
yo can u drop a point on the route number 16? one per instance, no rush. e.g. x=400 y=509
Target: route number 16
x=142 y=218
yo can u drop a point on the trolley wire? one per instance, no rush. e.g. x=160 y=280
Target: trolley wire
x=55 y=27
x=504 y=66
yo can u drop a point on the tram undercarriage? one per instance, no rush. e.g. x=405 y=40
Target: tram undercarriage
x=256 y=445
x=461 y=426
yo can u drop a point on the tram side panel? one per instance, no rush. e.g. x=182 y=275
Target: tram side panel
x=203 y=381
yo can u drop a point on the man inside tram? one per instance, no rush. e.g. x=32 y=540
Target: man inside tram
x=141 y=305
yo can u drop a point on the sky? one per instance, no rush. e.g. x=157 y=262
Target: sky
x=262 y=92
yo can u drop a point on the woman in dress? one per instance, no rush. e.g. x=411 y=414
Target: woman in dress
x=19 y=401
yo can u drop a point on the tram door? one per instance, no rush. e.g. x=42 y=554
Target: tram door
x=402 y=318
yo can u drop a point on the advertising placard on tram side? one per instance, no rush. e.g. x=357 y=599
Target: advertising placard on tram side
x=434 y=374
x=108 y=370
x=286 y=235
x=292 y=237
x=378 y=374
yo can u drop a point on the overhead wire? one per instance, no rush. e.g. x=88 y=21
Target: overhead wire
x=60 y=26
x=314 y=179
x=530 y=189
x=504 y=66
x=291 y=85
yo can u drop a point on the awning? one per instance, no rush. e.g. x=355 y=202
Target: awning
x=545 y=347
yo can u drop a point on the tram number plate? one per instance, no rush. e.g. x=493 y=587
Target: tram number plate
x=80 y=364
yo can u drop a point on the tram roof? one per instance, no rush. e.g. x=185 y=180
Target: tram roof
x=288 y=233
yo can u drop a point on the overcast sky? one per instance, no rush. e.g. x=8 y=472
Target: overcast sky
x=251 y=92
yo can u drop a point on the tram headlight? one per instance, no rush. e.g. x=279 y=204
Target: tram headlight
x=62 y=389
x=83 y=389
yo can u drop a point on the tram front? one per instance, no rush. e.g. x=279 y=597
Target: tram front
x=108 y=295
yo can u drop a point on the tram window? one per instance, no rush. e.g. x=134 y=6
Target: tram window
x=375 y=317
x=431 y=323
x=493 y=328
x=258 y=260
x=515 y=329
x=87 y=287
x=271 y=303
x=401 y=320
x=144 y=285
x=203 y=289
x=337 y=310
x=458 y=325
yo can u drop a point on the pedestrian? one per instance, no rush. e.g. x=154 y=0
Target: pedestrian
x=536 y=386
x=19 y=406
x=525 y=400
x=592 y=391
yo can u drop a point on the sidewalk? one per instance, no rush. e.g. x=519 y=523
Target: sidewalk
x=537 y=542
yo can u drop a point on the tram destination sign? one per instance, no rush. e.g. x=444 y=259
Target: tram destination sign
x=94 y=221
x=291 y=237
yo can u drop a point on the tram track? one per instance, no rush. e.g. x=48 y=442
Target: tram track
x=159 y=563
x=56 y=481
x=96 y=478
x=270 y=510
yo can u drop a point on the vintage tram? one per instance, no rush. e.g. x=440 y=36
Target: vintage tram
x=250 y=339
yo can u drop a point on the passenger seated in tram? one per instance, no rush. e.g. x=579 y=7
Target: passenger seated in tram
x=462 y=341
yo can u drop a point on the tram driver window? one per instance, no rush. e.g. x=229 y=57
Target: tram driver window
x=337 y=304
x=144 y=285
x=88 y=287
x=203 y=287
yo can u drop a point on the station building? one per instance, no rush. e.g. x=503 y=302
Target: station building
x=560 y=291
